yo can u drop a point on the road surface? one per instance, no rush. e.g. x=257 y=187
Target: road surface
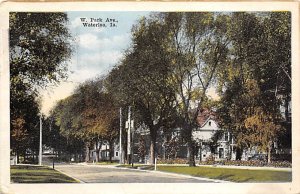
x=110 y=174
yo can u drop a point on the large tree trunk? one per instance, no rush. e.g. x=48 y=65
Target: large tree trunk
x=87 y=152
x=25 y=156
x=18 y=157
x=37 y=156
x=191 y=153
x=153 y=135
x=97 y=150
x=97 y=155
x=111 y=150
x=152 y=151
x=32 y=156
x=286 y=111
x=200 y=153
x=239 y=152
x=269 y=151
x=191 y=156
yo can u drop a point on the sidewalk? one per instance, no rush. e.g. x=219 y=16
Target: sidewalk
x=213 y=166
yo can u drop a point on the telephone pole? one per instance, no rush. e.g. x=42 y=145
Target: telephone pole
x=129 y=134
x=41 y=147
x=120 y=147
x=129 y=126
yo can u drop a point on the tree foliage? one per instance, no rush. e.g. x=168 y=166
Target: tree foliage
x=199 y=48
x=89 y=114
x=176 y=57
x=143 y=77
x=39 y=48
x=256 y=81
x=165 y=75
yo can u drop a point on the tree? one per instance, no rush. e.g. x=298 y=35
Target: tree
x=256 y=80
x=89 y=115
x=172 y=147
x=142 y=79
x=39 y=48
x=199 y=48
x=18 y=137
x=25 y=134
x=141 y=148
x=173 y=61
x=262 y=130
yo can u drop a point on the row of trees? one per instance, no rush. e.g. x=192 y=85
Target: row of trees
x=40 y=45
x=257 y=80
x=176 y=57
x=89 y=115
x=167 y=71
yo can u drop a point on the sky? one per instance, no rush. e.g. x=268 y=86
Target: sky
x=96 y=49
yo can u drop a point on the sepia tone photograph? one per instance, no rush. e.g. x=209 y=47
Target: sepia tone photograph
x=150 y=96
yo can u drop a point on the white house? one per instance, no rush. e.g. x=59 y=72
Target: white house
x=104 y=152
x=204 y=134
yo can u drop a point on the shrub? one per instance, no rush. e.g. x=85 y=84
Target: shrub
x=282 y=157
x=281 y=164
x=248 y=163
x=173 y=161
x=209 y=161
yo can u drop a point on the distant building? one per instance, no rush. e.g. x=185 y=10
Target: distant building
x=212 y=141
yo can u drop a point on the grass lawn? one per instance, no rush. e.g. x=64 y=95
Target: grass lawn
x=37 y=174
x=230 y=174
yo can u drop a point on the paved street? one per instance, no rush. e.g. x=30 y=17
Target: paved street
x=110 y=174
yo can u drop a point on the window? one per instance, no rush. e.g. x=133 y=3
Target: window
x=209 y=123
x=117 y=153
x=226 y=136
x=221 y=152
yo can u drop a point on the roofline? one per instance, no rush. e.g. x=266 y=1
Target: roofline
x=207 y=121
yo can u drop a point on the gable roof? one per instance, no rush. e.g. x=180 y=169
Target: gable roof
x=208 y=119
x=204 y=116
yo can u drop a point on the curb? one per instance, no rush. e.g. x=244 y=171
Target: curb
x=80 y=181
x=194 y=177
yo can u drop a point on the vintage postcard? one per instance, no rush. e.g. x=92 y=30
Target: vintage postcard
x=140 y=97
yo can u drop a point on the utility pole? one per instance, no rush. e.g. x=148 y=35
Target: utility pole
x=128 y=133
x=120 y=147
x=129 y=126
x=53 y=152
x=41 y=147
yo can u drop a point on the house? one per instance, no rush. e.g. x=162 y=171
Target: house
x=172 y=145
x=212 y=140
x=105 y=151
